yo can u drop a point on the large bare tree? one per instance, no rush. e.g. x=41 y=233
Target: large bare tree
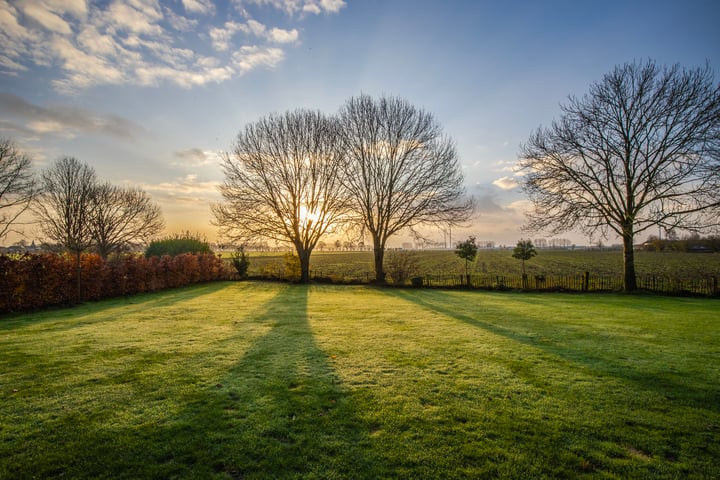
x=401 y=170
x=18 y=186
x=65 y=206
x=640 y=150
x=122 y=216
x=282 y=183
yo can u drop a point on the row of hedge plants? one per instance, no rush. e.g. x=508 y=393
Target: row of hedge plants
x=31 y=282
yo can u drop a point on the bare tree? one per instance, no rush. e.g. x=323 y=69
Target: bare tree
x=401 y=171
x=121 y=216
x=18 y=186
x=65 y=206
x=640 y=150
x=282 y=183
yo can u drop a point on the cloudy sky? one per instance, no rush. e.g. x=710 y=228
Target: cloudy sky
x=150 y=92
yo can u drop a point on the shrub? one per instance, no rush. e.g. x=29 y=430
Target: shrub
x=402 y=265
x=241 y=262
x=292 y=267
x=177 y=245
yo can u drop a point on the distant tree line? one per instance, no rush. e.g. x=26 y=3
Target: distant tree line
x=688 y=243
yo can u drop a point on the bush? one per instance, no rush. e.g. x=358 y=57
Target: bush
x=292 y=267
x=402 y=265
x=177 y=245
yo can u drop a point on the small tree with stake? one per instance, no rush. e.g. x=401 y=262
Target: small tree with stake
x=467 y=250
x=241 y=262
x=524 y=250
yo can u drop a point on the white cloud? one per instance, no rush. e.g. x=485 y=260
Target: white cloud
x=293 y=7
x=142 y=42
x=222 y=36
x=9 y=23
x=250 y=57
x=506 y=183
x=75 y=8
x=126 y=17
x=253 y=27
x=180 y=22
x=47 y=19
x=278 y=35
x=332 y=6
x=199 y=6
x=12 y=66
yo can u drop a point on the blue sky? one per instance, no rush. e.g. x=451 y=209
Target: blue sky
x=150 y=93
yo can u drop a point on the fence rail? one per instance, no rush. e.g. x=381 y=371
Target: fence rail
x=575 y=283
x=586 y=282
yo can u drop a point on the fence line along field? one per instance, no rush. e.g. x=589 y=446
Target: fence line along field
x=358 y=264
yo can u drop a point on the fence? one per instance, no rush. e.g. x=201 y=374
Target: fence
x=574 y=283
x=585 y=282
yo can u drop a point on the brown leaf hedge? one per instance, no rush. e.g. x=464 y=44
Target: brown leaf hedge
x=32 y=281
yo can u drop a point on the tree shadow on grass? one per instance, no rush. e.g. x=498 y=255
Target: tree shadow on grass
x=288 y=410
x=280 y=412
x=670 y=386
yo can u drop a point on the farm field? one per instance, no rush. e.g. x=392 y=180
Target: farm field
x=679 y=265
x=270 y=380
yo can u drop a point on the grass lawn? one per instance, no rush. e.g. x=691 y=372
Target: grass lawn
x=268 y=380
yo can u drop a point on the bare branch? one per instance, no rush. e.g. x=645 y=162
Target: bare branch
x=18 y=186
x=122 y=216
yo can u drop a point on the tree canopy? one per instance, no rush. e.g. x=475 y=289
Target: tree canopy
x=467 y=250
x=524 y=250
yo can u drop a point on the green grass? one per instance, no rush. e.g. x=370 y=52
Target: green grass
x=263 y=380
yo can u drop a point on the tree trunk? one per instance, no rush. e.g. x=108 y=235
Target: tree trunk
x=78 y=269
x=630 y=282
x=304 y=256
x=379 y=253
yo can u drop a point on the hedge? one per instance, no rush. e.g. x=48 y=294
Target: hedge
x=30 y=282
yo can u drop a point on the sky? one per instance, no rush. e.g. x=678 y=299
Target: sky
x=151 y=93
